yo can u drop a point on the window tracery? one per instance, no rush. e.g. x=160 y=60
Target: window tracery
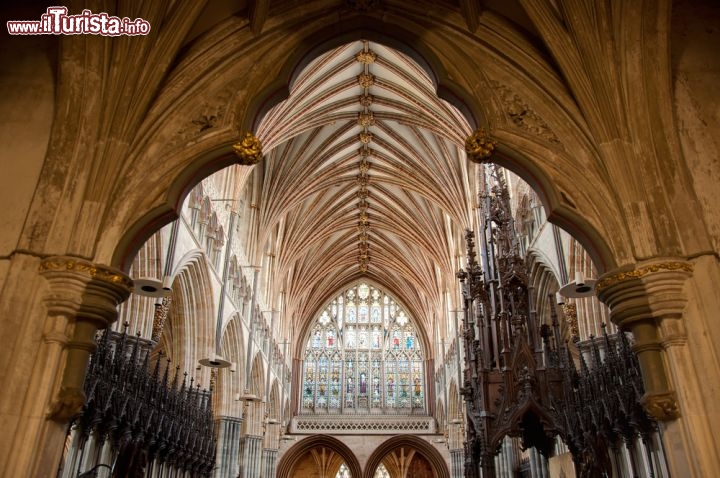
x=363 y=353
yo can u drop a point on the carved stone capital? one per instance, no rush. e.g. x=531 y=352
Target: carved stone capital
x=648 y=299
x=650 y=290
x=87 y=296
x=249 y=150
x=661 y=406
x=80 y=289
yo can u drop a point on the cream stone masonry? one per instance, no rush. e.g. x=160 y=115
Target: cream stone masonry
x=607 y=109
x=81 y=297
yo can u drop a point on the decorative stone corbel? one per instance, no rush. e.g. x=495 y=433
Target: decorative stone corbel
x=648 y=300
x=87 y=296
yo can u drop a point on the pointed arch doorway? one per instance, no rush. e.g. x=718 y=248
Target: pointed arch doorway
x=318 y=455
x=406 y=456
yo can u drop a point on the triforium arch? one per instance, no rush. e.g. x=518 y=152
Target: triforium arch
x=400 y=445
x=292 y=458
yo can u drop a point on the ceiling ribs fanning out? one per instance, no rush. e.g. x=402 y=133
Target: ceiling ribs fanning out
x=365 y=176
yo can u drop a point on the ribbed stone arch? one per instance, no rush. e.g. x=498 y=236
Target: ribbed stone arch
x=565 y=188
x=418 y=444
x=231 y=380
x=188 y=334
x=290 y=458
x=454 y=402
x=273 y=407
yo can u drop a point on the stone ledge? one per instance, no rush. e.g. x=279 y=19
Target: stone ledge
x=363 y=424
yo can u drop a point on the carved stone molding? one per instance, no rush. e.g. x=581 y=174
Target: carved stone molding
x=612 y=279
x=362 y=424
x=648 y=299
x=652 y=290
x=57 y=265
x=66 y=404
x=366 y=80
x=570 y=311
x=522 y=115
x=366 y=57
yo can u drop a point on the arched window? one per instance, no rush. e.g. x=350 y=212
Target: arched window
x=217 y=244
x=203 y=219
x=363 y=353
x=195 y=203
x=211 y=231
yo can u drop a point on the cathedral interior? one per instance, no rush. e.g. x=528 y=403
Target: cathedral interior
x=362 y=238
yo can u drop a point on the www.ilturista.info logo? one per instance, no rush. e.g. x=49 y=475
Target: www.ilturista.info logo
x=57 y=22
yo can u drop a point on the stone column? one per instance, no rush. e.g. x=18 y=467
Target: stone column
x=70 y=299
x=251 y=455
x=228 y=447
x=269 y=460
x=649 y=300
x=456 y=439
x=251 y=441
x=456 y=461
x=271 y=445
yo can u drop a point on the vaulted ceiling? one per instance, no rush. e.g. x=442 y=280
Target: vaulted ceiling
x=365 y=175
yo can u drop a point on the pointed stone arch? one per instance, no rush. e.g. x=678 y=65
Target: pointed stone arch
x=292 y=458
x=413 y=444
x=257 y=376
x=440 y=415
x=274 y=405
x=231 y=380
x=563 y=183
x=454 y=402
x=189 y=331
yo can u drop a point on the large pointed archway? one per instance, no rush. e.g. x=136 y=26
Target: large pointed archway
x=563 y=187
x=399 y=453
x=319 y=451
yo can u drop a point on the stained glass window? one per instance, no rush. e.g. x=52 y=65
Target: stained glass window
x=381 y=472
x=363 y=353
x=343 y=472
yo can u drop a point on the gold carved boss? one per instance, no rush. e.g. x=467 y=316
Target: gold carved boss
x=479 y=146
x=249 y=150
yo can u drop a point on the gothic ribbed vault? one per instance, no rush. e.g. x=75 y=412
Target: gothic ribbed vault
x=364 y=175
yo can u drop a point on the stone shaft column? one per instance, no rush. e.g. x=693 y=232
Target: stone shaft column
x=251 y=456
x=456 y=463
x=228 y=447
x=69 y=300
x=269 y=460
x=649 y=300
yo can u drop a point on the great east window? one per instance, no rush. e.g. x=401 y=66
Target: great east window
x=363 y=353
